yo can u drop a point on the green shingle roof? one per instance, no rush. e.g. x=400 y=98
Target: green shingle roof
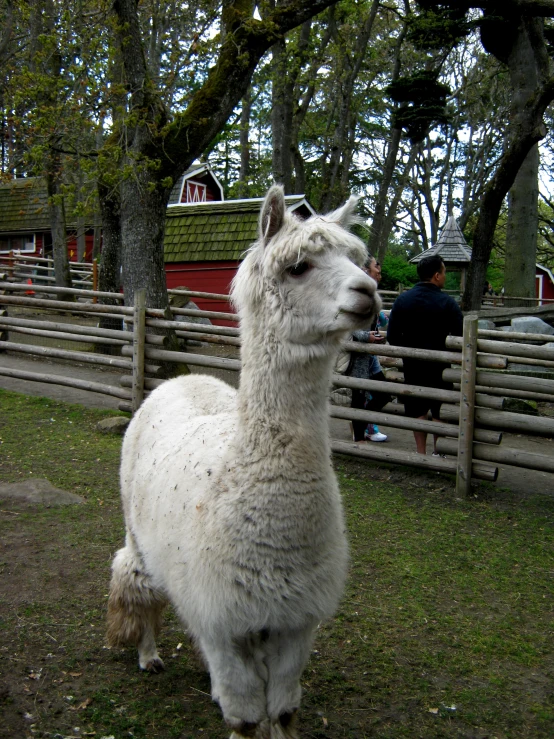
x=214 y=231
x=24 y=206
x=217 y=231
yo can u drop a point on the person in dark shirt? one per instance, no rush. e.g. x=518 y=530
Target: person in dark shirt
x=422 y=318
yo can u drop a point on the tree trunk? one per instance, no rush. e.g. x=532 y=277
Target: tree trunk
x=97 y=241
x=81 y=239
x=109 y=273
x=143 y=213
x=388 y=222
x=377 y=241
x=242 y=185
x=521 y=234
x=526 y=128
x=281 y=118
x=382 y=222
x=332 y=185
x=523 y=199
x=62 y=274
x=160 y=146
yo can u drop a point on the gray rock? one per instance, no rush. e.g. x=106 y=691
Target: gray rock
x=484 y=323
x=531 y=325
x=182 y=301
x=37 y=492
x=115 y=425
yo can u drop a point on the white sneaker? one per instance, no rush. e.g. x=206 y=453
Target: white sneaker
x=378 y=436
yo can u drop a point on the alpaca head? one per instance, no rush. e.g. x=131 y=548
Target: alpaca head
x=302 y=281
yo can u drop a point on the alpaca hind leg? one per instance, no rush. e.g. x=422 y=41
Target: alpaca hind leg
x=238 y=676
x=135 y=608
x=287 y=653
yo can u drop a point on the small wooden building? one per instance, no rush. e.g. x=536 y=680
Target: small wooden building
x=204 y=243
x=25 y=221
x=452 y=248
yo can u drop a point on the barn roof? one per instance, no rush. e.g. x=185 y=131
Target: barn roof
x=220 y=231
x=547 y=270
x=24 y=206
x=451 y=246
x=198 y=173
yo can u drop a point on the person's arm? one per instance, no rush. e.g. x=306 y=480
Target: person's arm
x=394 y=330
x=362 y=336
x=456 y=319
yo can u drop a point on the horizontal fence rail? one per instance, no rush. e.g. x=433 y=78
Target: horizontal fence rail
x=472 y=421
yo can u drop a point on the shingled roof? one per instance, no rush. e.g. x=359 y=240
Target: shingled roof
x=196 y=232
x=24 y=206
x=220 y=231
x=451 y=246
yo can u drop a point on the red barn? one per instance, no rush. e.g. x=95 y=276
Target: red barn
x=545 y=284
x=25 y=221
x=204 y=242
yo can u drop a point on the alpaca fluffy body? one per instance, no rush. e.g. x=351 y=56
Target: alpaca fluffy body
x=231 y=506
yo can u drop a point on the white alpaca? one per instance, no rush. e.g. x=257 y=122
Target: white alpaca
x=232 y=509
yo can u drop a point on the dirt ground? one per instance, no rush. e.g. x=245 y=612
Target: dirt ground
x=520 y=481
x=53 y=664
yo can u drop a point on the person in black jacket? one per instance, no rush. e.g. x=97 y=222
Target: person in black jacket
x=422 y=318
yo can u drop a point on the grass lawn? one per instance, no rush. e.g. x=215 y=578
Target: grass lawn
x=445 y=629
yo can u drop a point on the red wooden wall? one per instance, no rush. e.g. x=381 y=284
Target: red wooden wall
x=206 y=277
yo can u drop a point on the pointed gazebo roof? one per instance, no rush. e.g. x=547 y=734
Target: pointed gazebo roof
x=451 y=246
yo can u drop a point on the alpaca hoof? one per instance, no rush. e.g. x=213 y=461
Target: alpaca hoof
x=154 y=666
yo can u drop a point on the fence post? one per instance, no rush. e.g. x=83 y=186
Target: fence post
x=139 y=322
x=467 y=405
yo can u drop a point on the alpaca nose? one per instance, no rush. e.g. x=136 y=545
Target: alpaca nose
x=367 y=290
x=365 y=296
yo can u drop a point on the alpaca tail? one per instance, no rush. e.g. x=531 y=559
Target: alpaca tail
x=135 y=606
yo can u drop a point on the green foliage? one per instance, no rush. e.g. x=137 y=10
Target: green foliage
x=422 y=103
x=395 y=271
x=438 y=25
x=495 y=270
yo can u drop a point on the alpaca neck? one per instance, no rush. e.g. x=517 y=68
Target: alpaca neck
x=282 y=397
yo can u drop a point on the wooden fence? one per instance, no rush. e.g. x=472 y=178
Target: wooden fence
x=40 y=271
x=472 y=415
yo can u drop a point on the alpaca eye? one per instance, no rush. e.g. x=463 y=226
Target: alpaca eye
x=299 y=269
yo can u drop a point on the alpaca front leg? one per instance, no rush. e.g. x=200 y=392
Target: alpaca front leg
x=287 y=653
x=238 y=676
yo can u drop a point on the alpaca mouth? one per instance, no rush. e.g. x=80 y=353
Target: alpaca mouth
x=359 y=315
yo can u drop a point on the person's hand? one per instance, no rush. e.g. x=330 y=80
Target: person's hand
x=375 y=337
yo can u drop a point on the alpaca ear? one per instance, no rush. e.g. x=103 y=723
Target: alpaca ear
x=346 y=215
x=273 y=213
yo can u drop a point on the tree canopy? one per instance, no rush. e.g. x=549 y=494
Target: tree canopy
x=424 y=109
